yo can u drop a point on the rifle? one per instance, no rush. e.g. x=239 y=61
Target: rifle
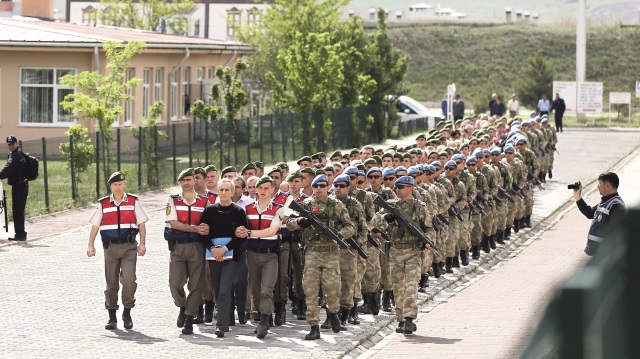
x=3 y=206
x=319 y=225
x=504 y=193
x=352 y=242
x=519 y=190
x=374 y=242
x=498 y=200
x=553 y=147
x=534 y=180
x=483 y=199
x=442 y=218
x=453 y=211
x=405 y=223
x=475 y=206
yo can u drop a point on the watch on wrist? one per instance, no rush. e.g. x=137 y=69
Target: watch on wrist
x=249 y=233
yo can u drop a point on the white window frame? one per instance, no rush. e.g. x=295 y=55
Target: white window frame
x=157 y=85
x=146 y=91
x=173 y=95
x=200 y=73
x=54 y=87
x=129 y=73
x=186 y=77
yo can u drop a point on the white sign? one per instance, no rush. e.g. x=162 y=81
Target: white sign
x=590 y=97
x=567 y=91
x=637 y=88
x=620 y=97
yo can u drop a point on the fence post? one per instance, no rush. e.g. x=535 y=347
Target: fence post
x=155 y=155
x=141 y=132
x=261 y=142
x=235 y=142
x=293 y=137
x=273 y=154
x=248 y=139
x=118 y=146
x=220 y=142
x=73 y=169
x=189 y=139
x=206 y=143
x=284 y=154
x=97 y=165
x=46 y=177
x=173 y=135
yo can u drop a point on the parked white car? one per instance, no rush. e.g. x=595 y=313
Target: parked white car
x=410 y=110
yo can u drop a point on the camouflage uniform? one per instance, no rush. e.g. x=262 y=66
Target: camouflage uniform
x=366 y=200
x=447 y=248
x=348 y=262
x=479 y=228
x=531 y=167
x=505 y=180
x=385 y=272
x=321 y=257
x=470 y=193
x=460 y=237
x=518 y=177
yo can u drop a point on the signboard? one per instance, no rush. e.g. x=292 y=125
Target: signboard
x=567 y=91
x=590 y=97
x=620 y=97
x=637 y=88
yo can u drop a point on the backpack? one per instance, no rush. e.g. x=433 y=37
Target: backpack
x=31 y=167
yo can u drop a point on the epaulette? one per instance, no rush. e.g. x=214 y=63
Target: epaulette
x=174 y=196
x=276 y=204
x=103 y=198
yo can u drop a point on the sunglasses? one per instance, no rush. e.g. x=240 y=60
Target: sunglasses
x=479 y=157
x=345 y=163
x=415 y=176
x=401 y=187
x=495 y=154
x=391 y=178
x=360 y=182
x=508 y=153
x=320 y=186
x=353 y=178
x=451 y=168
x=374 y=177
x=458 y=162
x=471 y=165
x=340 y=185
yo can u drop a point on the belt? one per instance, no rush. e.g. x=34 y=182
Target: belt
x=187 y=241
x=323 y=249
x=404 y=245
x=125 y=240
x=264 y=250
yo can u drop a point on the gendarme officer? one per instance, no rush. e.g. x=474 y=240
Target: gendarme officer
x=119 y=217
x=14 y=172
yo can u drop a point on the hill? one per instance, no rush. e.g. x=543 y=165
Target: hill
x=483 y=58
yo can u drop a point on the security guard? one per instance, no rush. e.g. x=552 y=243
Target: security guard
x=119 y=218
x=14 y=172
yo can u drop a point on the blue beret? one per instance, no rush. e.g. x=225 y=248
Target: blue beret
x=532 y=113
x=361 y=173
x=436 y=164
x=457 y=156
x=430 y=168
x=451 y=163
x=496 y=150
x=413 y=170
x=351 y=170
x=400 y=168
x=319 y=178
x=521 y=139
x=515 y=129
x=476 y=151
x=538 y=119
x=485 y=150
x=545 y=120
x=472 y=159
x=388 y=171
x=372 y=170
x=515 y=123
x=342 y=178
x=509 y=148
x=544 y=116
x=404 y=180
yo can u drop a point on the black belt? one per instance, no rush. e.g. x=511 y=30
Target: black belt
x=124 y=240
x=264 y=250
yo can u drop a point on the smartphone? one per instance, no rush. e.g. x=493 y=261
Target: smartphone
x=573 y=186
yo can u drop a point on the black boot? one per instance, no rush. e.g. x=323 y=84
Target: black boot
x=294 y=305
x=188 y=325
x=327 y=322
x=464 y=257
x=263 y=327
x=208 y=311
x=219 y=332
x=447 y=265
x=313 y=334
x=507 y=234
x=409 y=326
x=441 y=265
x=550 y=173
x=516 y=225
x=199 y=319
x=271 y=321
x=126 y=318
x=386 y=301
x=528 y=221
x=543 y=177
x=302 y=309
x=335 y=322
x=280 y=312
x=523 y=223
x=499 y=237
x=181 y=318
x=424 y=283
x=400 y=328
x=475 y=251
x=485 y=244
x=435 y=267
x=113 y=321
x=242 y=317
x=455 y=263
x=344 y=316
x=492 y=242
x=353 y=315
x=365 y=308
x=374 y=302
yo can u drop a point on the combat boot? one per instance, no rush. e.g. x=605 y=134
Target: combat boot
x=507 y=234
x=280 y=313
x=126 y=318
x=528 y=221
x=365 y=308
x=423 y=283
x=188 y=325
x=386 y=301
x=455 y=262
x=181 y=318
x=436 y=270
x=335 y=322
x=294 y=305
x=485 y=244
x=464 y=258
x=409 y=326
x=113 y=321
x=374 y=302
x=523 y=223
x=550 y=174
x=400 y=328
x=492 y=242
x=199 y=319
x=516 y=225
x=447 y=265
x=499 y=237
x=353 y=315
x=327 y=322
x=263 y=327
x=302 y=309
x=344 y=316
x=313 y=334
x=208 y=311
x=242 y=317
x=475 y=251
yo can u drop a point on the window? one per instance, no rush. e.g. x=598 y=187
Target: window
x=173 y=95
x=128 y=104
x=157 y=87
x=211 y=72
x=200 y=73
x=253 y=16
x=233 y=20
x=89 y=15
x=146 y=98
x=41 y=94
x=186 y=93
x=196 y=28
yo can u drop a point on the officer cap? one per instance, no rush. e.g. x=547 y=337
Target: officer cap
x=11 y=140
x=388 y=171
x=387 y=154
x=116 y=177
x=308 y=170
x=263 y=180
x=370 y=161
x=374 y=170
x=329 y=168
x=248 y=166
x=451 y=163
x=318 y=156
x=210 y=168
x=351 y=170
x=318 y=179
x=421 y=136
x=336 y=154
x=302 y=159
x=283 y=165
x=404 y=181
x=342 y=178
x=436 y=164
x=471 y=159
x=275 y=169
x=185 y=173
x=259 y=165
x=294 y=175
x=200 y=170
x=320 y=171
x=228 y=169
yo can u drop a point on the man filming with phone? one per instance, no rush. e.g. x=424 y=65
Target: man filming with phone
x=605 y=214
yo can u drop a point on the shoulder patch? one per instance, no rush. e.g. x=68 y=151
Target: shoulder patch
x=168 y=210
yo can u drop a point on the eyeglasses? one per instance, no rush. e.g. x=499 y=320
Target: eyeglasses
x=520 y=144
x=495 y=154
x=340 y=185
x=458 y=162
x=508 y=153
x=361 y=182
x=320 y=185
x=353 y=178
x=390 y=178
x=451 y=168
x=374 y=177
x=471 y=165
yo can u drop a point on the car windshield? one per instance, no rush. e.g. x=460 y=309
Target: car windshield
x=417 y=106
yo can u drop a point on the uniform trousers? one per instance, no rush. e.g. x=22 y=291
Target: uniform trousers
x=321 y=267
x=185 y=267
x=263 y=274
x=120 y=265
x=405 y=271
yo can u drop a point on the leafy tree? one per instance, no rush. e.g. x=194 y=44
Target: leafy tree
x=151 y=15
x=101 y=97
x=148 y=134
x=537 y=80
x=83 y=151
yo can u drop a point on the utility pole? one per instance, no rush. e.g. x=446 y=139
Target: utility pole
x=581 y=54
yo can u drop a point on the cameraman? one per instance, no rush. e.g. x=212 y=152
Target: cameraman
x=605 y=214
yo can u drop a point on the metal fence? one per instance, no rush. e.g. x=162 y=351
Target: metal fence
x=270 y=139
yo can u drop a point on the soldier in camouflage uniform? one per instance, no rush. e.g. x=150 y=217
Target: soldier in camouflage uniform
x=504 y=181
x=532 y=169
x=406 y=253
x=460 y=202
x=322 y=257
x=551 y=145
x=431 y=200
x=464 y=242
x=488 y=220
x=476 y=218
x=518 y=177
x=438 y=197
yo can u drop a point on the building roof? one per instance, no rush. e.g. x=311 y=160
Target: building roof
x=23 y=31
x=421 y=6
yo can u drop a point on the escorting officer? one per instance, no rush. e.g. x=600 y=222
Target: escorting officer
x=322 y=258
x=199 y=185
x=119 y=218
x=14 y=172
x=182 y=232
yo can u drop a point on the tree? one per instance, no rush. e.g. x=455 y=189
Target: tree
x=83 y=152
x=150 y=15
x=148 y=134
x=101 y=97
x=537 y=80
